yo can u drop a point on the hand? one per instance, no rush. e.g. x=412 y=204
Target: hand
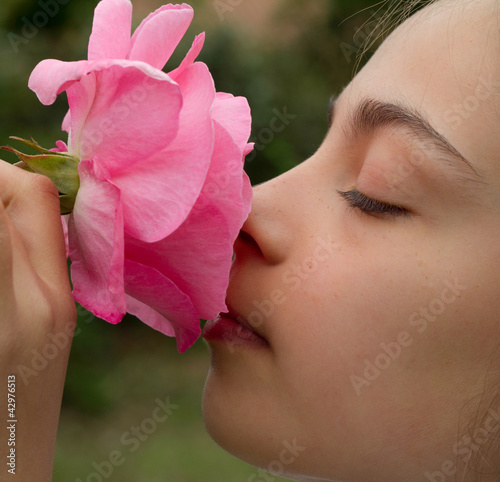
x=37 y=319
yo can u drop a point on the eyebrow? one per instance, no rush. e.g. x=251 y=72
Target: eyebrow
x=371 y=115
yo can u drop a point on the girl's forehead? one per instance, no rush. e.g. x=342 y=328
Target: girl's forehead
x=445 y=63
x=455 y=39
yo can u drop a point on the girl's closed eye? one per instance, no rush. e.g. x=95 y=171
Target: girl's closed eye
x=357 y=200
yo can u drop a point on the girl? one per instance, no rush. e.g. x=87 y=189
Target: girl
x=361 y=342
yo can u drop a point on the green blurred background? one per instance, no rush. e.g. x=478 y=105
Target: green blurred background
x=283 y=55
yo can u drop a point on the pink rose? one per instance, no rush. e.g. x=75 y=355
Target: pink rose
x=162 y=192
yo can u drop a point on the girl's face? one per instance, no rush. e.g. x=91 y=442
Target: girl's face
x=371 y=273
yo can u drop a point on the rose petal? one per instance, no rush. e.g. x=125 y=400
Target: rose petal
x=120 y=116
x=158 y=195
x=156 y=301
x=196 y=257
x=66 y=124
x=111 y=31
x=61 y=147
x=247 y=196
x=96 y=247
x=64 y=222
x=191 y=56
x=160 y=33
x=233 y=113
x=149 y=315
x=249 y=148
x=51 y=77
x=227 y=186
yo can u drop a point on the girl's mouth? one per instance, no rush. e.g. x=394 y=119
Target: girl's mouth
x=233 y=330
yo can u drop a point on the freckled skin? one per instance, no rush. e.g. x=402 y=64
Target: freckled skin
x=434 y=275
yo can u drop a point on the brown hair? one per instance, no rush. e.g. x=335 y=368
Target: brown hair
x=387 y=16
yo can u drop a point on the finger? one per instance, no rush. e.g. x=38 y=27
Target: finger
x=31 y=202
x=17 y=274
x=6 y=260
x=14 y=260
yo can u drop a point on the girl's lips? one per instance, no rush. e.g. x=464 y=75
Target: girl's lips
x=226 y=328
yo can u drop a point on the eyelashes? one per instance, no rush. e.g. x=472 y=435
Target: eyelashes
x=357 y=200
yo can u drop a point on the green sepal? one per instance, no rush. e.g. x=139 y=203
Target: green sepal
x=62 y=170
x=22 y=165
x=37 y=147
x=67 y=204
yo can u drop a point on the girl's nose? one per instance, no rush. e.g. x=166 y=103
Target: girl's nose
x=275 y=223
